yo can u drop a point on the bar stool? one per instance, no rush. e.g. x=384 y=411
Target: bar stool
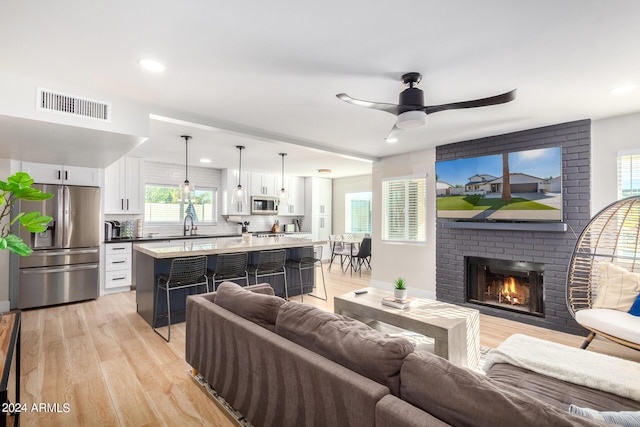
x=185 y=273
x=310 y=259
x=270 y=263
x=230 y=267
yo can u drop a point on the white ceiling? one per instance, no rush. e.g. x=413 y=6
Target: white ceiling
x=267 y=73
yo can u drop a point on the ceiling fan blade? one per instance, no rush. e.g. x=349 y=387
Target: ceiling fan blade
x=393 y=135
x=389 y=108
x=482 y=102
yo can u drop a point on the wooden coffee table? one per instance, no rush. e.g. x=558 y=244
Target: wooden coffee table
x=455 y=329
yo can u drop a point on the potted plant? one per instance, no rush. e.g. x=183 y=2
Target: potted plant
x=18 y=187
x=400 y=290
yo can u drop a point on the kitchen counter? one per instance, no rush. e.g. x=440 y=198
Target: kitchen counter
x=177 y=249
x=154 y=258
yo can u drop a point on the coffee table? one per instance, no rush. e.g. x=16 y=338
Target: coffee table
x=455 y=329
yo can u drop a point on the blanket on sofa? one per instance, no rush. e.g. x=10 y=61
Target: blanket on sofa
x=582 y=367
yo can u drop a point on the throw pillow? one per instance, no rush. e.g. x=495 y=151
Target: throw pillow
x=623 y=418
x=617 y=287
x=257 y=307
x=346 y=341
x=635 y=308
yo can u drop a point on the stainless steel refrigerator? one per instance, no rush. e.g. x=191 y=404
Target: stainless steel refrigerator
x=64 y=264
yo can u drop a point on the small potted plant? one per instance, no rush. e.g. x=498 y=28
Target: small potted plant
x=18 y=186
x=400 y=290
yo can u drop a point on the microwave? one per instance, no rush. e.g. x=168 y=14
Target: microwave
x=261 y=205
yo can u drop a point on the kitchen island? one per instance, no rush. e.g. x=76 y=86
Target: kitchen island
x=153 y=259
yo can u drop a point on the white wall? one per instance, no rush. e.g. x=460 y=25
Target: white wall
x=608 y=136
x=415 y=262
x=340 y=188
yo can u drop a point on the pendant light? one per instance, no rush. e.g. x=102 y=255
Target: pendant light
x=283 y=195
x=239 y=194
x=186 y=186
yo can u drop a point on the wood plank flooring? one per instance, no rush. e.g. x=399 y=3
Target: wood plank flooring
x=105 y=361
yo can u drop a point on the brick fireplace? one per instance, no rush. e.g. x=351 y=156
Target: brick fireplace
x=530 y=243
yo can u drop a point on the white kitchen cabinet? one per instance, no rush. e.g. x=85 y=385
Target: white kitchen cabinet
x=264 y=184
x=118 y=260
x=318 y=195
x=124 y=186
x=229 y=182
x=295 y=188
x=44 y=173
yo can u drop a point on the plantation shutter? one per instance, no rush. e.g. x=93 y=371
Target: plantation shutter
x=404 y=213
x=628 y=175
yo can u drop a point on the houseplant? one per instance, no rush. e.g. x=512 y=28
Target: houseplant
x=18 y=187
x=400 y=290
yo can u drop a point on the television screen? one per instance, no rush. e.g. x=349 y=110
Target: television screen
x=516 y=186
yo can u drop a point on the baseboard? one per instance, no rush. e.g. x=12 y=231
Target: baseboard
x=5 y=306
x=414 y=292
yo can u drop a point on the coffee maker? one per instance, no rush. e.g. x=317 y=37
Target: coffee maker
x=112 y=230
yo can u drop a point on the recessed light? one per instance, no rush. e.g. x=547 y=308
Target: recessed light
x=205 y=160
x=151 y=65
x=391 y=140
x=622 y=89
x=324 y=170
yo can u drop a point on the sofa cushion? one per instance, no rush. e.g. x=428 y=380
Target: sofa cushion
x=461 y=397
x=257 y=307
x=617 y=288
x=346 y=341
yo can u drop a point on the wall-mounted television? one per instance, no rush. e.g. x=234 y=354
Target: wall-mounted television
x=475 y=188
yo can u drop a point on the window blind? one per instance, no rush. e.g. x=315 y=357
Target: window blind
x=628 y=175
x=404 y=210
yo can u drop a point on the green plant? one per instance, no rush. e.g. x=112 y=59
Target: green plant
x=400 y=284
x=18 y=187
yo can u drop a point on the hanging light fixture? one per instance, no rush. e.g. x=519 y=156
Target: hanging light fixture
x=239 y=194
x=283 y=195
x=186 y=185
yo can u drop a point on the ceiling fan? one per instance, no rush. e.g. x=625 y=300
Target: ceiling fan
x=412 y=112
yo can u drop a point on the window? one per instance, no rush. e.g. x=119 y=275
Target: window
x=165 y=203
x=628 y=174
x=358 y=212
x=404 y=211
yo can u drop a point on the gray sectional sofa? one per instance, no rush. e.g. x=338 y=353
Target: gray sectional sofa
x=290 y=364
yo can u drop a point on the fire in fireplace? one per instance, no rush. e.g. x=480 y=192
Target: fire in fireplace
x=509 y=285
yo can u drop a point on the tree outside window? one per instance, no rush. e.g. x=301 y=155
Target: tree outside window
x=166 y=204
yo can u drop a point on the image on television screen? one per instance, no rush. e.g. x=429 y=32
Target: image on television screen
x=516 y=186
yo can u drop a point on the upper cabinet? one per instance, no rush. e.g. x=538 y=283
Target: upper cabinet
x=264 y=184
x=295 y=188
x=124 y=186
x=318 y=196
x=43 y=173
x=229 y=182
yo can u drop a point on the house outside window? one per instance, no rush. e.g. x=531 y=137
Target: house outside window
x=166 y=204
x=404 y=212
x=358 y=212
x=628 y=174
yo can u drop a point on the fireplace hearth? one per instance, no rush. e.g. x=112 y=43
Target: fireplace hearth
x=507 y=285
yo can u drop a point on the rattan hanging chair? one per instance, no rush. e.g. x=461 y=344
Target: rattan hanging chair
x=611 y=237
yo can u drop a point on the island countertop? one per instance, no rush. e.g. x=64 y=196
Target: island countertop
x=194 y=247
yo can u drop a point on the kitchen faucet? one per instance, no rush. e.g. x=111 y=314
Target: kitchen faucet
x=190 y=230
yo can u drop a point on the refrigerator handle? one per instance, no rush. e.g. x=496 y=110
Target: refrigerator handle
x=65 y=217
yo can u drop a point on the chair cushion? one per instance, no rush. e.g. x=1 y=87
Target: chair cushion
x=613 y=322
x=461 y=397
x=346 y=341
x=617 y=288
x=257 y=307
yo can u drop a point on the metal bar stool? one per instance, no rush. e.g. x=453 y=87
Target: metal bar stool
x=270 y=263
x=230 y=267
x=185 y=273
x=310 y=259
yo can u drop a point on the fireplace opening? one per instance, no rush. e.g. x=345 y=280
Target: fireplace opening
x=507 y=285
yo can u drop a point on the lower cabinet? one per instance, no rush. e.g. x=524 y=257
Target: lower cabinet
x=118 y=261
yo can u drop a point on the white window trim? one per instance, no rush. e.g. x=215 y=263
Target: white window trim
x=619 y=154
x=405 y=178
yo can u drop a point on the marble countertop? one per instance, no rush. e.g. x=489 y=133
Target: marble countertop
x=213 y=246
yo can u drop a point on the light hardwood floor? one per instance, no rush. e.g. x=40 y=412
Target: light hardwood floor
x=106 y=362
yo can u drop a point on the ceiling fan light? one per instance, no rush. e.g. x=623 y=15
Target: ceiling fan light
x=411 y=119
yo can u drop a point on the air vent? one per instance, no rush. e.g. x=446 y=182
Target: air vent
x=70 y=104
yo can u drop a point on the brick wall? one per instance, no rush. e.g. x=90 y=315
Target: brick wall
x=551 y=248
